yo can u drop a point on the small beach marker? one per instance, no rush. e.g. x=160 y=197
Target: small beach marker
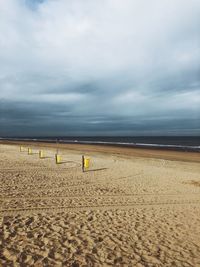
x=22 y=149
x=41 y=154
x=85 y=163
x=58 y=159
x=30 y=152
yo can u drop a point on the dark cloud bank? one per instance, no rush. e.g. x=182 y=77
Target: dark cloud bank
x=99 y=67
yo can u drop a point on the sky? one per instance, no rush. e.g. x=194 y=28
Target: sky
x=99 y=67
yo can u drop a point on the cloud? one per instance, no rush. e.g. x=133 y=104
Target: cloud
x=99 y=66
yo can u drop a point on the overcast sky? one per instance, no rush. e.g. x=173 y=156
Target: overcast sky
x=99 y=67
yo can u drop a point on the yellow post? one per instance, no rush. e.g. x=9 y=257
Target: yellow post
x=22 y=149
x=85 y=163
x=58 y=159
x=30 y=152
x=41 y=154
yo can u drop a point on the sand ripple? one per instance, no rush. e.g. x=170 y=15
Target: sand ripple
x=125 y=212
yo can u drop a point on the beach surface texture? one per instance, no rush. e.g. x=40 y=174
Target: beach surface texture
x=132 y=207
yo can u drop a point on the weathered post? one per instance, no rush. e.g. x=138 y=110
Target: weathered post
x=83 y=161
x=30 y=152
x=41 y=154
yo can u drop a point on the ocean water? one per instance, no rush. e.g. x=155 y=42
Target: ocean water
x=184 y=143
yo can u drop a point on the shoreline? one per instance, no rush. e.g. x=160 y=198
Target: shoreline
x=124 y=151
x=136 y=144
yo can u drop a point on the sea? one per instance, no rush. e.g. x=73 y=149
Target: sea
x=183 y=143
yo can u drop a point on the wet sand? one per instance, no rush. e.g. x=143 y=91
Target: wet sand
x=133 y=207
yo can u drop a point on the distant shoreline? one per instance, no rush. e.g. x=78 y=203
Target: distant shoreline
x=127 y=151
x=122 y=143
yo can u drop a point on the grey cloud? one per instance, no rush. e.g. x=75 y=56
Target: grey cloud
x=115 y=67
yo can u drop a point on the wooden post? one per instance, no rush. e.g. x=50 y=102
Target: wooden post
x=41 y=154
x=30 y=151
x=57 y=142
x=83 y=163
x=58 y=159
x=22 y=149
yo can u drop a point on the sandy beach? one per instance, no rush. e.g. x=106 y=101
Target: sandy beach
x=133 y=207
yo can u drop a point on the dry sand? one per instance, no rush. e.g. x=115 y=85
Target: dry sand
x=132 y=208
